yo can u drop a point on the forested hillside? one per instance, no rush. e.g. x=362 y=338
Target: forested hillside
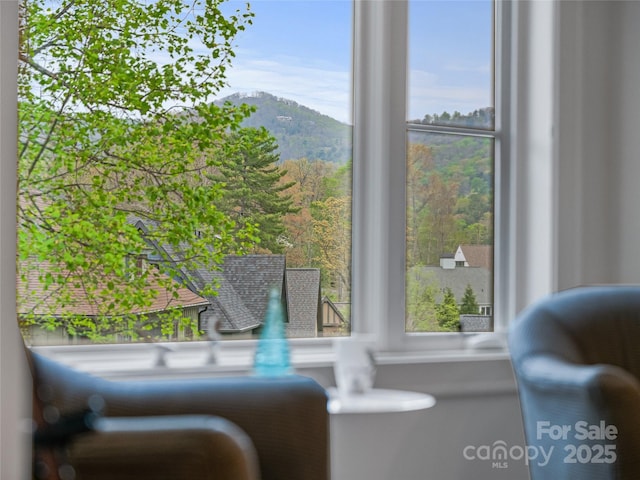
x=449 y=178
x=449 y=188
x=300 y=132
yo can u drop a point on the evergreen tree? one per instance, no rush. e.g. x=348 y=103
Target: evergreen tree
x=254 y=193
x=447 y=312
x=469 y=303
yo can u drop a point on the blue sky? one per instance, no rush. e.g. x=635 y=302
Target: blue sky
x=301 y=50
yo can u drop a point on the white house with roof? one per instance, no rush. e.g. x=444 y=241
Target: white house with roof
x=474 y=256
x=470 y=266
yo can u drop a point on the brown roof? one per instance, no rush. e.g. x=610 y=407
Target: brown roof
x=34 y=298
x=478 y=255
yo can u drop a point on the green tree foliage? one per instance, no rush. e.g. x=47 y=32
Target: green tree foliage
x=337 y=183
x=254 y=193
x=419 y=160
x=438 y=222
x=447 y=312
x=332 y=229
x=483 y=118
x=449 y=195
x=421 y=313
x=115 y=123
x=310 y=184
x=469 y=303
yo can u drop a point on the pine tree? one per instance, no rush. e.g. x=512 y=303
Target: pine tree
x=469 y=303
x=447 y=312
x=254 y=193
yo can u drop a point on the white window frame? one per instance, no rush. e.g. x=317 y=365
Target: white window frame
x=379 y=185
x=524 y=213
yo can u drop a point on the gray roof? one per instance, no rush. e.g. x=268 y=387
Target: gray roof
x=243 y=291
x=476 y=323
x=303 y=301
x=243 y=284
x=457 y=279
x=226 y=305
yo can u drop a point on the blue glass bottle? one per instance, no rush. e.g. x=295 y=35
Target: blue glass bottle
x=272 y=357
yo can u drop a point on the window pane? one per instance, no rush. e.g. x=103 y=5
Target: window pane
x=299 y=79
x=153 y=203
x=449 y=233
x=451 y=63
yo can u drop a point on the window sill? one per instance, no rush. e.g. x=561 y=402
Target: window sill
x=194 y=359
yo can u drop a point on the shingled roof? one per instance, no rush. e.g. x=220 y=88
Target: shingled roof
x=457 y=280
x=303 y=302
x=243 y=292
x=243 y=284
x=35 y=299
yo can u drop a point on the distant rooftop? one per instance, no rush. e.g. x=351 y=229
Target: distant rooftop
x=476 y=255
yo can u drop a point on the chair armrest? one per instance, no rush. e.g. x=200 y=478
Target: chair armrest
x=174 y=447
x=554 y=374
x=556 y=394
x=568 y=392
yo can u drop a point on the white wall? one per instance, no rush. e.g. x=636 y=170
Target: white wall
x=625 y=140
x=598 y=102
x=476 y=406
x=14 y=403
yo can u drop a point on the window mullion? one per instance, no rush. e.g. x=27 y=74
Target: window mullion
x=380 y=69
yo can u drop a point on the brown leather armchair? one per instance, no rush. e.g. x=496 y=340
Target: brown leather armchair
x=241 y=428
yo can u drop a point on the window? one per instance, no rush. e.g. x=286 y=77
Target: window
x=371 y=292
x=442 y=99
x=450 y=163
x=285 y=171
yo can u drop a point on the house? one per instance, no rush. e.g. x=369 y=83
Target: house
x=471 y=265
x=242 y=292
x=244 y=284
x=457 y=280
x=469 y=256
x=474 y=256
x=237 y=309
x=35 y=305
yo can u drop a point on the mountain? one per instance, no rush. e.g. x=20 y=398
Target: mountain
x=300 y=131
